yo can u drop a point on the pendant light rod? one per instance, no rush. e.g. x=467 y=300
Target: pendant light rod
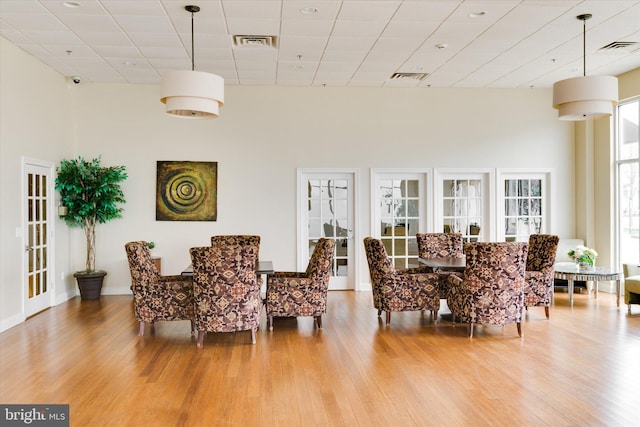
x=193 y=9
x=584 y=18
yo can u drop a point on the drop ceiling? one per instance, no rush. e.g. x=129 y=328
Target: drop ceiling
x=395 y=43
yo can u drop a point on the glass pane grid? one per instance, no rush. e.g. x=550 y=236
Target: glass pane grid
x=463 y=207
x=400 y=218
x=523 y=208
x=327 y=217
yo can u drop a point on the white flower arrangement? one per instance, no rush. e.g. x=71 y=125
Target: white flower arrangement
x=583 y=255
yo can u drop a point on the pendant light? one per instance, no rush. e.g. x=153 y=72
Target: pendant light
x=584 y=98
x=192 y=94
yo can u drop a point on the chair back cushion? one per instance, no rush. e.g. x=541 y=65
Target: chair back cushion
x=142 y=268
x=493 y=284
x=440 y=245
x=319 y=267
x=379 y=263
x=226 y=291
x=542 y=252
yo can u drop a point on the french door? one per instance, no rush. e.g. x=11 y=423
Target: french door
x=37 y=233
x=326 y=209
x=400 y=207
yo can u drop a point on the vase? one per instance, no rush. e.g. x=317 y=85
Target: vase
x=582 y=265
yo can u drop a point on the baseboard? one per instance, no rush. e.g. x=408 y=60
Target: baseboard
x=116 y=291
x=11 y=322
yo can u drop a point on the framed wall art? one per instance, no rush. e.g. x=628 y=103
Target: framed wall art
x=186 y=191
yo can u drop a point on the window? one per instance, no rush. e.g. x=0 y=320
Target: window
x=628 y=194
x=525 y=202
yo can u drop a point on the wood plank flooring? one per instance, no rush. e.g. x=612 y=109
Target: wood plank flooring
x=580 y=368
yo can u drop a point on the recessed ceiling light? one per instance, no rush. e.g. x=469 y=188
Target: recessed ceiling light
x=308 y=10
x=71 y=4
x=477 y=14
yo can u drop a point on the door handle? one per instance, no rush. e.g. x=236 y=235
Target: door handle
x=28 y=248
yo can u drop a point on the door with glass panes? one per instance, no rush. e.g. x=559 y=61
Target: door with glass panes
x=37 y=234
x=327 y=210
x=400 y=212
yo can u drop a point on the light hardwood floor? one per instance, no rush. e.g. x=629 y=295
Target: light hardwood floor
x=580 y=368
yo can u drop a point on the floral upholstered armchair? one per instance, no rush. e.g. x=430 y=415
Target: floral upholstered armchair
x=441 y=245
x=492 y=289
x=538 y=288
x=409 y=289
x=293 y=294
x=225 y=289
x=157 y=297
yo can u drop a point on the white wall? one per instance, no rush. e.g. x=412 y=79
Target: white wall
x=262 y=136
x=265 y=133
x=35 y=122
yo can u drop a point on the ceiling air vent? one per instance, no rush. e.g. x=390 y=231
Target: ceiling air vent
x=619 y=45
x=254 y=41
x=409 y=76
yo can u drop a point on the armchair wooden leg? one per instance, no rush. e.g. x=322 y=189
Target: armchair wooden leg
x=379 y=313
x=519 y=326
x=318 y=321
x=546 y=311
x=388 y=317
x=470 y=330
x=270 y=322
x=193 y=327
x=141 y=330
x=200 y=338
x=253 y=335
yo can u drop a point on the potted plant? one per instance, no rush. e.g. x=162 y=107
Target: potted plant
x=91 y=194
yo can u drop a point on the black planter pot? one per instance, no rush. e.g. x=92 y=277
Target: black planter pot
x=90 y=284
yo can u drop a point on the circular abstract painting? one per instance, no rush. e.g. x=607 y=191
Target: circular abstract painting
x=186 y=191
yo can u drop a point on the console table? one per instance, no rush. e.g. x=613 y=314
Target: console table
x=571 y=272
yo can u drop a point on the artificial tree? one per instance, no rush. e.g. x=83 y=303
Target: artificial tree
x=91 y=194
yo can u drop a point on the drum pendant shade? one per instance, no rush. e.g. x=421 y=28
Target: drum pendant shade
x=584 y=98
x=192 y=94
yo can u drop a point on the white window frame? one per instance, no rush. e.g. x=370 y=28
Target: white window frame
x=618 y=163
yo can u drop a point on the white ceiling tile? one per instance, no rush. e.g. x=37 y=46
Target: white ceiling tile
x=344 y=28
x=54 y=37
x=114 y=38
x=247 y=26
x=33 y=21
x=516 y=43
x=253 y=9
x=156 y=39
x=304 y=28
x=163 y=52
x=118 y=51
x=137 y=7
x=144 y=24
x=327 y=10
x=368 y=10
